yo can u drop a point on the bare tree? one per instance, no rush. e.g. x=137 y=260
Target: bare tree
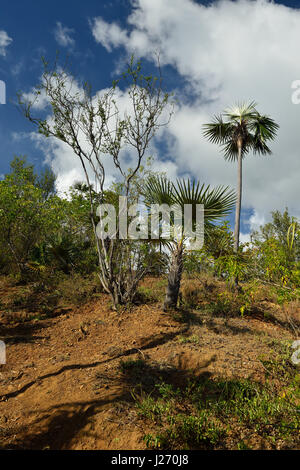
x=94 y=127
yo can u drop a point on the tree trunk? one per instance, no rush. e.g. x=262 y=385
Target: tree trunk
x=174 y=277
x=238 y=199
x=238 y=207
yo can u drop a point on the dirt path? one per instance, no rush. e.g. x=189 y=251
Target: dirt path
x=63 y=388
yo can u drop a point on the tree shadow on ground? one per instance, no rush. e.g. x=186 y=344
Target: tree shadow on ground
x=186 y=315
x=227 y=328
x=55 y=427
x=22 y=333
x=152 y=343
x=268 y=317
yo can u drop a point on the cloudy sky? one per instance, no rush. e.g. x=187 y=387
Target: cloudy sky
x=212 y=55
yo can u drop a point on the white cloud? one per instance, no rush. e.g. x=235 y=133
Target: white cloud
x=226 y=52
x=5 y=41
x=39 y=102
x=109 y=35
x=66 y=164
x=245 y=237
x=63 y=35
x=256 y=220
x=17 y=68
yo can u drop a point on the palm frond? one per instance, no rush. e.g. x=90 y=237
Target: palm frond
x=264 y=127
x=158 y=190
x=188 y=192
x=230 y=149
x=241 y=111
x=218 y=131
x=258 y=146
x=218 y=202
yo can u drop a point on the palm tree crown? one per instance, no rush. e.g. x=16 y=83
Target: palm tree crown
x=241 y=127
x=217 y=202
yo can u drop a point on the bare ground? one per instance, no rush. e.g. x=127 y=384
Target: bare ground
x=62 y=386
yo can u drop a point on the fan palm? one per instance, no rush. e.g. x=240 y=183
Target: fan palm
x=217 y=202
x=239 y=130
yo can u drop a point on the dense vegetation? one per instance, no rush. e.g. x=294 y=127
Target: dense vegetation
x=43 y=234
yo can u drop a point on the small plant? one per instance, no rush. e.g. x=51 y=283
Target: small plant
x=194 y=339
x=234 y=303
x=166 y=391
x=132 y=365
x=154 y=442
x=285 y=295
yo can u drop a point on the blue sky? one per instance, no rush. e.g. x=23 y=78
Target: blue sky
x=212 y=54
x=32 y=30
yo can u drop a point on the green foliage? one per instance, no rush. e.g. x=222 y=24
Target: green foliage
x=217 y=255
x=232 y=266
x=38 y=229
x=198 y=262
x=232 y=302
x=194 y=339
x=219 y=409
x=276 y=250
x=272 y=256
x=26 y=214
x=219 y=240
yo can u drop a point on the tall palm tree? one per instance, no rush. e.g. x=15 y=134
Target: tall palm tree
x=239 y=130
x=217 y=202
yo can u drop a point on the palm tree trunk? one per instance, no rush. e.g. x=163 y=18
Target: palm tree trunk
x=174 y=277
x=238 y=199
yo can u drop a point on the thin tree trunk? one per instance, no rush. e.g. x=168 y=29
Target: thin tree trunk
x=238 y=199
x=174 y=277
x=238 y=206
